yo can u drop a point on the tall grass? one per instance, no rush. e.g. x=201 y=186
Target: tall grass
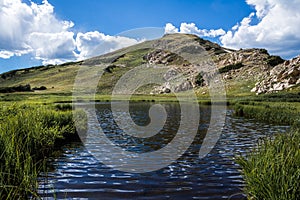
x=27 y=136
x=272 y=171
x=271 y=112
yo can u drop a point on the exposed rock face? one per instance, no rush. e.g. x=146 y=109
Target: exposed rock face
x=239 y=66
x=181 y=75
x=245 y=56
x=171 y=74
x=168 y=87
x=253 y=65
x=163 y=57
x=184 y=86
x=281 y=77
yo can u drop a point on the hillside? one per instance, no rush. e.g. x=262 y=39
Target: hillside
x=245 y=71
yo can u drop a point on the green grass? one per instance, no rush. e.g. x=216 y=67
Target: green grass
x=28 y=134
x=272 y=171
x=133 y=58
x=55 y=78
x=275 y=112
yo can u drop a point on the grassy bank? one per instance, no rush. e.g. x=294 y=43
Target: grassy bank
x=280 y=113
x=28 y=134
x=272 y=170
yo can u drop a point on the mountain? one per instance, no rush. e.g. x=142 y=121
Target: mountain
x=244 y=71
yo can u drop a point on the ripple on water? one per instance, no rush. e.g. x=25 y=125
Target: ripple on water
x=78 y=175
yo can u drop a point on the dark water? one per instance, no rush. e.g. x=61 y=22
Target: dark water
x=78 y=175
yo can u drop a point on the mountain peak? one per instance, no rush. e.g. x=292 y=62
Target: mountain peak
x=241 y=70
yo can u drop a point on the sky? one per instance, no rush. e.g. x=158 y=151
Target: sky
x=41 y=32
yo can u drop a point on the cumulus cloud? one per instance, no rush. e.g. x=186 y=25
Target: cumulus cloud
x=277 y=29
x=34 y=29
x=53 y=48
x=191 y=28
x=94 y=43
x=170 y=28
x=275 y=25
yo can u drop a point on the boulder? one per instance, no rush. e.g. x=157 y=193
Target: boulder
x=187 y=85
x=170 y=74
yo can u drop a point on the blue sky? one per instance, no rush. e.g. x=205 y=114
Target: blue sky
x=43 y=32
x=114 y=16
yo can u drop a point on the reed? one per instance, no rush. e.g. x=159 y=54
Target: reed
x=275 y=113
x=27 y=136
x=272 y=171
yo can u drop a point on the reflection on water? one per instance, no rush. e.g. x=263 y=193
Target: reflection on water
x=78 y=175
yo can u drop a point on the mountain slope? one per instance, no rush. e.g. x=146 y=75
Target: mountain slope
x=241 y=70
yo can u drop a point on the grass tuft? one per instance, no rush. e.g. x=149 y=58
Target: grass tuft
x=27 y=136
x=272 y=171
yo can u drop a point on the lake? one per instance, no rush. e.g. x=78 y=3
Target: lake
x=77 y=174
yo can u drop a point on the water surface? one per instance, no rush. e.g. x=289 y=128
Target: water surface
x=77 y=174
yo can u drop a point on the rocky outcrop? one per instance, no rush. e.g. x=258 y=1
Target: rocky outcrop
x=281 y=77
x=180 y=76
x=168 y=87
x=163 y=57
x=235 y=66
x=243 y=65
x=245 y=56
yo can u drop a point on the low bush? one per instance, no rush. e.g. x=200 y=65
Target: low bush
x=274 y=60
x=228 y=68
x=199 y=79
x=40 y=88
x=19 y=88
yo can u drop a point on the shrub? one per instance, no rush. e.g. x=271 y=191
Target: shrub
x=199 y=79
x=40 y=88
x=110 y=68
x=274 y=60
x=19 y=88
x=227 y=68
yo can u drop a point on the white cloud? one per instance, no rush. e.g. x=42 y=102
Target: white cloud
x=170 y=28
x=34 y=29
x=53 y=47
x=275 y=25
x=277 y=29
x=94 y=43
x=191 y=28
